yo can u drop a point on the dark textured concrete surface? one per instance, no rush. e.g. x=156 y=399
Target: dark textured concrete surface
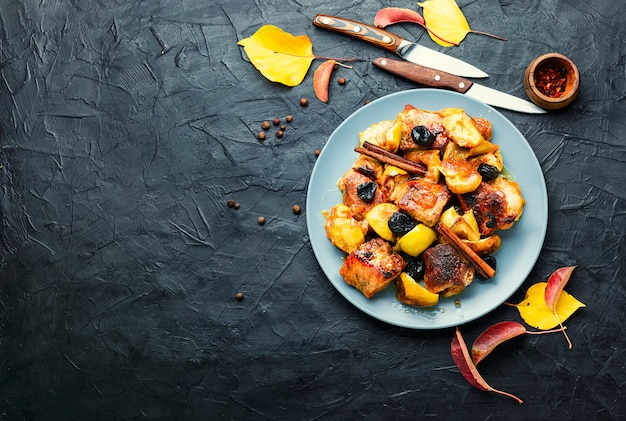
x=125 y=126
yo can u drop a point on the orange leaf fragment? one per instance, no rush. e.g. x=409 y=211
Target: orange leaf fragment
x=390 y=15
x=321 y=79
x=463 y=361
x=555 y=286
x=279 y=56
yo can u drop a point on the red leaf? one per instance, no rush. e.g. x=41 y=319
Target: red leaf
x=496 y=334
x=464 y=362
x=493 y=336
x=555 y=286
x=390 y=15
x=321 y=79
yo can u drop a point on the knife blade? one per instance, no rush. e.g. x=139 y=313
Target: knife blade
x=440 y=79
x=409 y=51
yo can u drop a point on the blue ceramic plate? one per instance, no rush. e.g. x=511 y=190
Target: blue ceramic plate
x=520 y=245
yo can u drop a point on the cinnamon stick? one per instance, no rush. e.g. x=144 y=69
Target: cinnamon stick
x=479 y=264
x=391 y=158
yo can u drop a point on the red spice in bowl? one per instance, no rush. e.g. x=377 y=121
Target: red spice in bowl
x=552 y=81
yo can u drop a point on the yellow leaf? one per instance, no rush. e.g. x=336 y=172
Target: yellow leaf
x=445 y=19
x=536 y=313
x=278 y=55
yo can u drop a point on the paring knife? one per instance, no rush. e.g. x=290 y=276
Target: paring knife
x=441 y=79
x=409 y=51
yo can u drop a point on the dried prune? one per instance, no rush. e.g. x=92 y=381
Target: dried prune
x=491 y=261
x=400 y=223
x=415 y=268
x=422 y=136
x=366 y=191
x=488 y=172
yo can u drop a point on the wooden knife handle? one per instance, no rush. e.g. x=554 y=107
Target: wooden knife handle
x=424 y=75
x=359 y=30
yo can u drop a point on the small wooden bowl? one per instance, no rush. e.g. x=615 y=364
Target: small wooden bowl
x=560 y=63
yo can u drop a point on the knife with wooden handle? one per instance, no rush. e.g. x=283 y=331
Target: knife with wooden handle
x=440 y=79
x=409 y=51
x=359 y=30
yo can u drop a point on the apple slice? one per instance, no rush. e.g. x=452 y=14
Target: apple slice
x=408 y=291
x=378 y=218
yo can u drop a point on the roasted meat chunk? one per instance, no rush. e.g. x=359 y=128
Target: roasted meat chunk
x=392 y=178
x=446 y=272
x=372 y=266
x=411 y=117
x=349 y=186
x=422 y=200
x=514 y=200
x=431 y=159
x=343 y=230
x=461 y=176
x=496 y=204
x=462 y=129
x=385 y=134
x=485 y=246
x=484 y=127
